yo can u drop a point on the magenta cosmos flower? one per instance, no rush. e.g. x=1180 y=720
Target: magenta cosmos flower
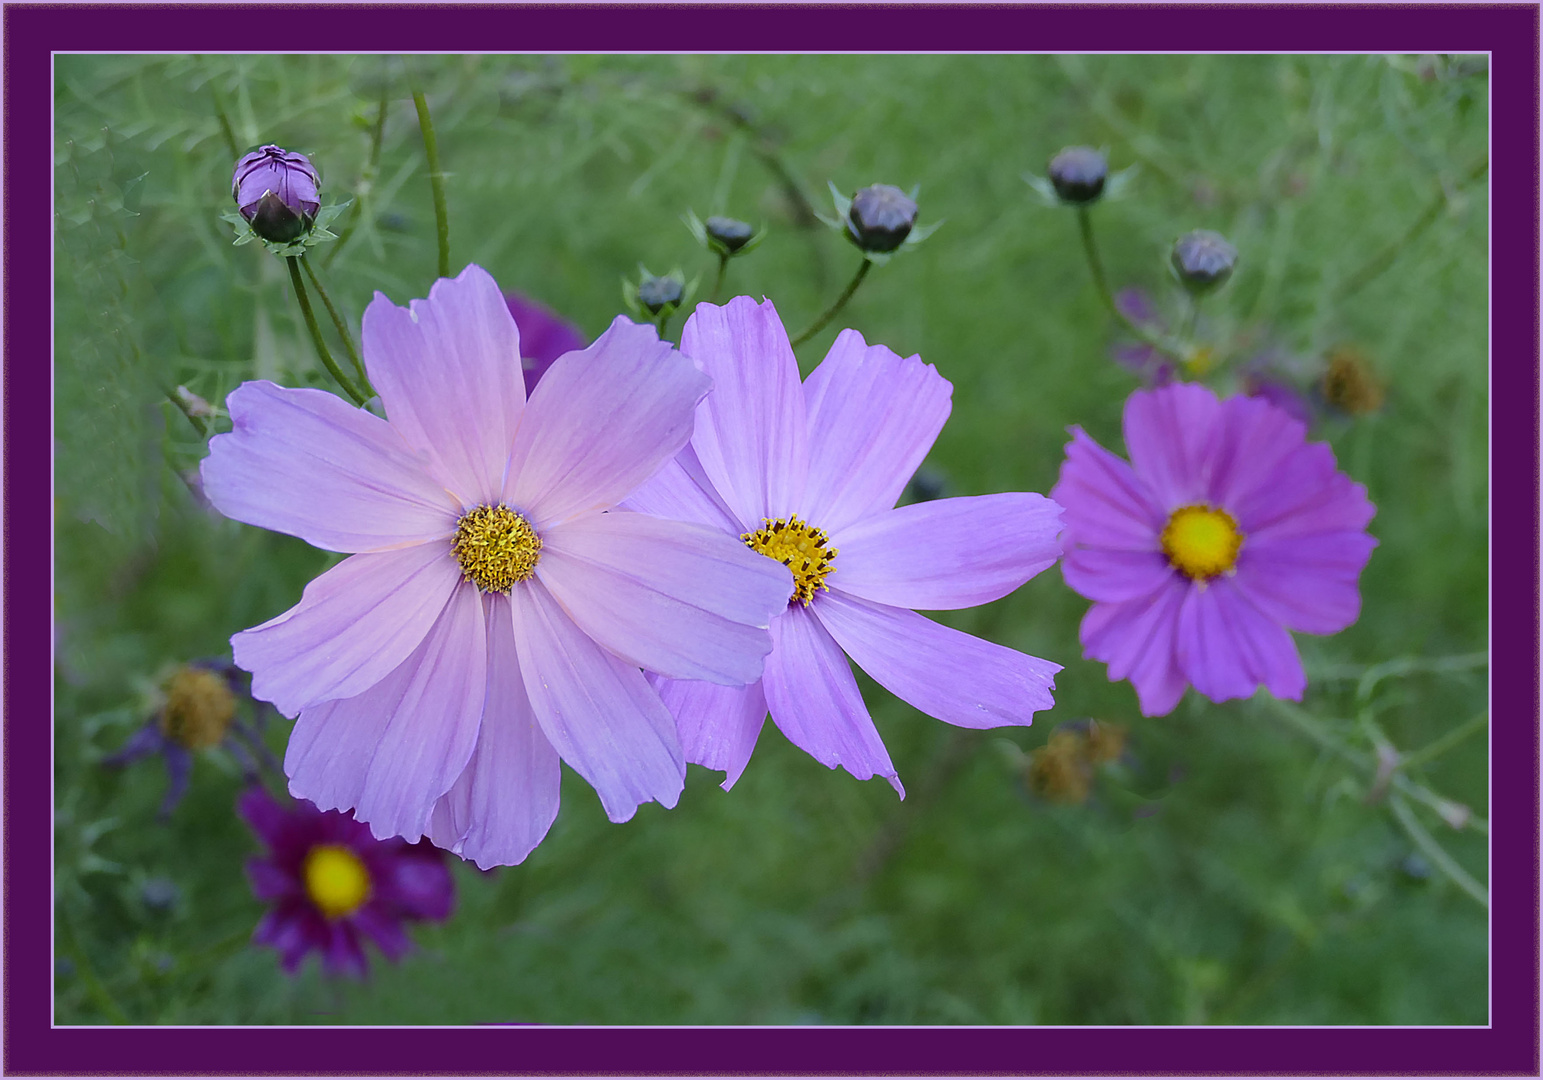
x=493 y=616
x=808 y=476
x=332 y=885
x=1226 y=530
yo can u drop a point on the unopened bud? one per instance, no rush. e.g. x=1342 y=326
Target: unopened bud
x=1078 y=174
x=880 y=218
x=1203 y=260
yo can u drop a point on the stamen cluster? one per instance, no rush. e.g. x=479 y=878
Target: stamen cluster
x=800 y=547
x=496 y=548
x=1201 y=541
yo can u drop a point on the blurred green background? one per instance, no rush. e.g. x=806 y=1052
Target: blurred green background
x=1237 y=864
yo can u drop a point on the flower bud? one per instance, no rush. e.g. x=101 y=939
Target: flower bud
x=276 y=192
x=729 y=234
x=880 y=218
x=1078 y=173
x=658 y=293
x=1203 y=260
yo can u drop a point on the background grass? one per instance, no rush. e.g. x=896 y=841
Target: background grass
x=1237 y=866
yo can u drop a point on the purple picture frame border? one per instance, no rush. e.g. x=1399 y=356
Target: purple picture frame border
x=1510 y=1045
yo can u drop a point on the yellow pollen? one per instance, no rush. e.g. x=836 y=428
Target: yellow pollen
x=1201 y=541
x=199 y=708
x=336 y=880
x=496 y=548
x=800 y=547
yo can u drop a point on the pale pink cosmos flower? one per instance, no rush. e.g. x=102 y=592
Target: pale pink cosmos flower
x=808 y=474
x=1226 y=530
x=496 y=610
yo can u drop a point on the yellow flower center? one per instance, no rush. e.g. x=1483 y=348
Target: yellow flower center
x=336 y=880
x=1201 y=541
x=800 y=547
x=199 y=708
x=496 y=548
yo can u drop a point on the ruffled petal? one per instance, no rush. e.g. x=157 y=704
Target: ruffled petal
x=719 y=725
x=1168 y=433
x=873 y=415
x=448 y=372
x=391 y=752
x=306 y=463
x=750 y=431
x=1226 y=647
x=1306 y=583
x=262 y=812
x=1306 y=495
x=687 y=601
x=1112 y=576
x=813 y=699
x=269 y=882
x=948 y=553
x=380 y=926
x=1105 y=504
x=416 y=882
x=353 y=626
x=600 y=422
x=953 y=676
x=294 y=928
x=597 y=710
x=343 y=955
x=681 y=491
x=1251 y=440
x=1136 y=639
x=507 y=797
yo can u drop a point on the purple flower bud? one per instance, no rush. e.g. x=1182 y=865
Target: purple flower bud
x=730 y=234
x=276 y=191
x=658 y=293
x=880 y=218
x=1078 y=173
x=1203 y=260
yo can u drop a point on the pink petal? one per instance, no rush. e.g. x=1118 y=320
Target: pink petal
x=719 y=725
x=1226 y=647
x=873 y=416
x=1252 y=438
x=680 y=491
x=1306 y=583
x=306 y=463
x=1137 y=640
x=814 y=700
x=271 y=883
x=1306 y=495
x=353 y=626
x=952 y=676
x=600 y=422
x=448 y=371
x=947 y=553
x=750 y=431
x=506 y=799
x=597 y=710
x=686 y=601
x=1105 y=504
x=1168 y=433
x=391 y=752
x=1112 y=576
x=383 y=928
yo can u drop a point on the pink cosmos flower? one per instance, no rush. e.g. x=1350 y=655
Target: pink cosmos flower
x=493 y=616
x=1226 y=530
x=333 y=885
x=808 y=475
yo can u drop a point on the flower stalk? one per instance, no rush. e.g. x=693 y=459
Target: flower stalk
x=1163 y=344
x=436 y=181
x=834 y=309
x=316 y=339
x=339 y=325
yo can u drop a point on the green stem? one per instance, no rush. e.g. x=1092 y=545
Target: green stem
x=1374 y=266
x=1096 y=267
x=723 y=266
x=321 y=346
x=664 y=321
x=841 y=301
x=436 y=181
x=1191 y=319
x=1415 y=665
x=1433 y=750
x=225 y=129
x=338 y=324
x=1436 y=853
x=196 y=421
x=366 y=179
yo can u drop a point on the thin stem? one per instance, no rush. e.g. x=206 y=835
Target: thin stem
x=1191 y=319
x=321 y=346
x=841 y=301
x=1415 y=665
x=337 y=323
x=225 y=129
x=436 y=181
x=723 y=266
x=182 y=407
x=1096 y=267
x=1432 y=750
x=1436 y=853
x=664 y=321
x=366 y=179
x=1374 y=266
